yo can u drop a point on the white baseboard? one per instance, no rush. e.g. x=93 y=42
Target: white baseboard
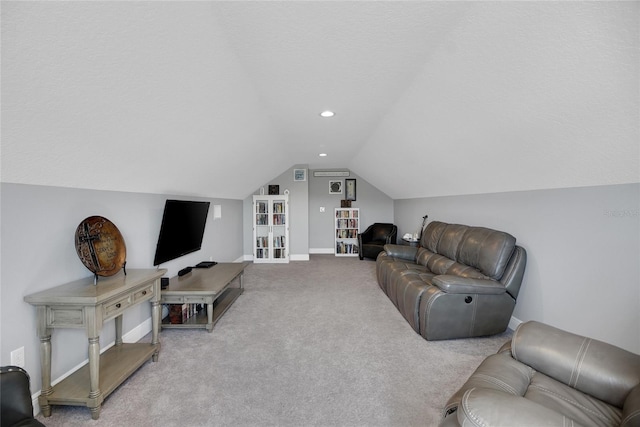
x=132 y=336
x=321 y=250
x=514 y=323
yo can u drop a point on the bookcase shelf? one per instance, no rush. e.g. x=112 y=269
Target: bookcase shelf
x=271 y=229
x=347 y=227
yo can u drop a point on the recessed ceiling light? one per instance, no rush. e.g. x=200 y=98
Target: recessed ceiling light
x=323 y=154
x=327 y=113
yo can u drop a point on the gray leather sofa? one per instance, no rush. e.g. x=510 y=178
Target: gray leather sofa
x=460 y=282
x=549 y=377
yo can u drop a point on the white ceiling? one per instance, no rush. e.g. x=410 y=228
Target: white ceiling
x=217 y=98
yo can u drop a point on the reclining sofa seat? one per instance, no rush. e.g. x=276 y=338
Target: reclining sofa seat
x=546 y=376
x=460 y=282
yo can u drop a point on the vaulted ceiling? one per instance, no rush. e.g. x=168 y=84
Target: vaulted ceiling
x=215 y=98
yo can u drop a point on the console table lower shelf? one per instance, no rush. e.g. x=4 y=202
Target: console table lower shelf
x=116 y=365
x=211 y=287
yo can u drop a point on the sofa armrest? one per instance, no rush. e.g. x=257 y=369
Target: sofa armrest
x=401 y=251
x=391 y=238
x=464 y=285
x=499 y=372
x=486 y=407
x=602 y=370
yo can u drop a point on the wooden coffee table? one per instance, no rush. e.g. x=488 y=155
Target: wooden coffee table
x=210 y=286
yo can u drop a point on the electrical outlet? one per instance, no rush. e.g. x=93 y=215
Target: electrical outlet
x=17 y=357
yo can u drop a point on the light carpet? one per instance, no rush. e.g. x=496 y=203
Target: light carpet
x=309 y=343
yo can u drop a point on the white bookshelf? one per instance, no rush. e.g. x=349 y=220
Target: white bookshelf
x=347 y=227
x=271 y=229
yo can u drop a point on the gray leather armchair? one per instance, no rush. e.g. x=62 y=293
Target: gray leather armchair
x=16 y=408
x=549 y=377
x=373 y=239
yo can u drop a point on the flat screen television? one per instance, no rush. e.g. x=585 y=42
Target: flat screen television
x=182 y=229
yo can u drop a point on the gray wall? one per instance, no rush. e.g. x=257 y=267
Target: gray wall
x=375 y=206
x=312 y=231
x=298 y=214
x=583 y=247
x=37 y=229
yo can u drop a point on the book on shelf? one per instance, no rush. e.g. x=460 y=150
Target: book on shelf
x=346 y=248
x=180 y=313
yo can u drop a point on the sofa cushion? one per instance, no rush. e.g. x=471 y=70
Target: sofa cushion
x=580 y=407
x=601 y=370
x=461 y=270
x=408 y=289
x=484 y=249
x=423 y=255
x=389 y=267
x=485 y=407
x=439 y=264
x=450 y=240
x=487 y=250
x=431 y=235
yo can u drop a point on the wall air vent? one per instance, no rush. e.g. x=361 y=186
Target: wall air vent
x=331 y=173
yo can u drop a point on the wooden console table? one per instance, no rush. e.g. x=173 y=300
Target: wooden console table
x=81 y=304
x=210 y=286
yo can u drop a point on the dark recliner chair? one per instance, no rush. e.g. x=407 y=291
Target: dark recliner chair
x=373 y=239
x=16 y=408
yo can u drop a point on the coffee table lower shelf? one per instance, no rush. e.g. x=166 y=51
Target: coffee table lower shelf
x=201 y=320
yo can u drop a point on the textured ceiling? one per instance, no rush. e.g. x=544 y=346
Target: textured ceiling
x=355 y=59
x=217 y=98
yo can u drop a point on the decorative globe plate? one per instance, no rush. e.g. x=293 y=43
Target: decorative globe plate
x=100 y=246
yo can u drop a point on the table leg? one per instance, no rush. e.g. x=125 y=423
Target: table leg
x=45 y=361
x=94 y=376
x=118 y=322
x=156 y=313
x=93 y=322
x=95 y=412
x=210 y=316
x=94 y=367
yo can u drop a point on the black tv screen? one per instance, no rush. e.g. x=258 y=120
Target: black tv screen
x=182 y=229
